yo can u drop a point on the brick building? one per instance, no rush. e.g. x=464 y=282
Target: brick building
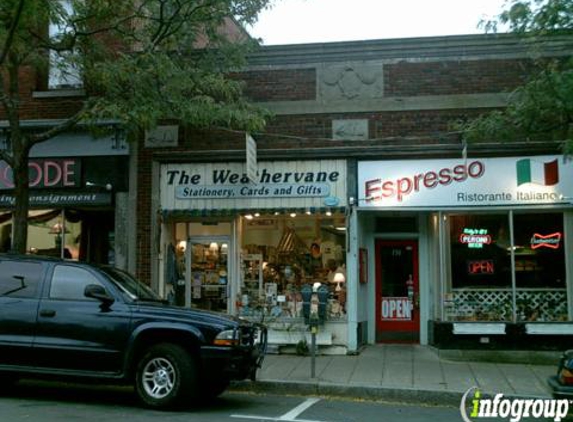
x=363 y=187
x=77 y=180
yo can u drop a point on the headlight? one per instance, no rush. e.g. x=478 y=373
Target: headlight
x=227 y=338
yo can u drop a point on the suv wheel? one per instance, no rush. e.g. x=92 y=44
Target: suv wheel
x=164 y=374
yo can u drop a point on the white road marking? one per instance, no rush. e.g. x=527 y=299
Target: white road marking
x=298 y=410
x=287 y=417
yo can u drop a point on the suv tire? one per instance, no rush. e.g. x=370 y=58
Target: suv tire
x=164 y=374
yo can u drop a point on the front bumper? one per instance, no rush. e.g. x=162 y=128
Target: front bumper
x=236 y=363
x=559 y=390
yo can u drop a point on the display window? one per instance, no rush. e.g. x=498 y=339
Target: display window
x=256 y=265
x=280 y=254
x=506 y=267
x=70 y=234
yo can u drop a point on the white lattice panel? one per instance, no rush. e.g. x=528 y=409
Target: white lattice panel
x=496 y=305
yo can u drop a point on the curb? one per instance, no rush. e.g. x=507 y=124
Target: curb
x=355 y=391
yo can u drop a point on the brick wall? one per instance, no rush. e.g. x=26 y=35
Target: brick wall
x=455 y=77
x=52 y=107
x=279 y=85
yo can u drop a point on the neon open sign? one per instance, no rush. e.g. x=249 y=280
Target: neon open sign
x=482 y=266
x=475 y=238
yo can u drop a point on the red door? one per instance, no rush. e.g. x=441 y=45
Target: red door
x=397 y=298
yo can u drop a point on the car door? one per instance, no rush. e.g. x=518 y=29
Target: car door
x=19 y=297
x=78 y=333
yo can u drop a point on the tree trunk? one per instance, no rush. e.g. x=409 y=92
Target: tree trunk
x=21 y=197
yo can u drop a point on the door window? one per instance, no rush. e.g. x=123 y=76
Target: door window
x=69 y=283
x=19 y=279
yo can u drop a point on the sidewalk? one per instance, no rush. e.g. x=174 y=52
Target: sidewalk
x=398 y=373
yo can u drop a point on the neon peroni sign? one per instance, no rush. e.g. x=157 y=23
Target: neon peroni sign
x=400 y=188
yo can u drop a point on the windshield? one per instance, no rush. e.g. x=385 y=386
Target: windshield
x=132 y=288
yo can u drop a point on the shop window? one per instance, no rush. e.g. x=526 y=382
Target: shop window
x=72 y=234
x=51 y=234
x=281 y=255
x=481 y=279
x=540 y=267
x=5 y=234
x=480 y=251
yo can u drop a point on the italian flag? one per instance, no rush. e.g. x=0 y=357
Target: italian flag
x=531 y=171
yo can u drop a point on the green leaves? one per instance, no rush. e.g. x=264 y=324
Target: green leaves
x=141 y=89
x=542 y=109
x=143 y=60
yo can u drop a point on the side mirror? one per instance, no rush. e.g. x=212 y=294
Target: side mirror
x=95 y=291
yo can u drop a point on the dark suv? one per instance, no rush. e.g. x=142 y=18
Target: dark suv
x=70 y=319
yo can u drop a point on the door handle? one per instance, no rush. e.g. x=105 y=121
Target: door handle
x=47 y=313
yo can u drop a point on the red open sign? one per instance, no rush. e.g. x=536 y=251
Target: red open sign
x=482 y=266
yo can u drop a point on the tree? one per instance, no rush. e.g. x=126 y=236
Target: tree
x=138 y=62
x=542 y=109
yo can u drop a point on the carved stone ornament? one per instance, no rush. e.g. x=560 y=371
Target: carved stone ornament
x=162 y=136
x=351 y=81
x=350 y=129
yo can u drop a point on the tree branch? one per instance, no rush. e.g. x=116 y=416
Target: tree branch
x=60 y=128
x=11 y=32
x=4 y=156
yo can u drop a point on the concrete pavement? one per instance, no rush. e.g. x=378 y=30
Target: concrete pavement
x=400 y=373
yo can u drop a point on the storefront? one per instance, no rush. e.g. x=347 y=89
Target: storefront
x=78 y=185
x=247 y=247
x=470 y=253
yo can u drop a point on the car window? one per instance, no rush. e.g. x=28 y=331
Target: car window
x=69 y=282
x=19 y=279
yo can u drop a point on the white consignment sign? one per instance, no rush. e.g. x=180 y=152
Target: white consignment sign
x=464 y=183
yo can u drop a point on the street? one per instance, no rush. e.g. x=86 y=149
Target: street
x=33 y=401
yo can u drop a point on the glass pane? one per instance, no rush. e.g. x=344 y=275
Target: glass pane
x=540 y=267
x=209 y=274
x=19 y=279
x=5 y=236
x=70 y=282
x=47 y=232
x=397 y=268
x=282 y=254
x=480 y=251
x=481 y=268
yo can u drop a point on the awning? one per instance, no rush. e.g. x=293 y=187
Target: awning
x=168 y=215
